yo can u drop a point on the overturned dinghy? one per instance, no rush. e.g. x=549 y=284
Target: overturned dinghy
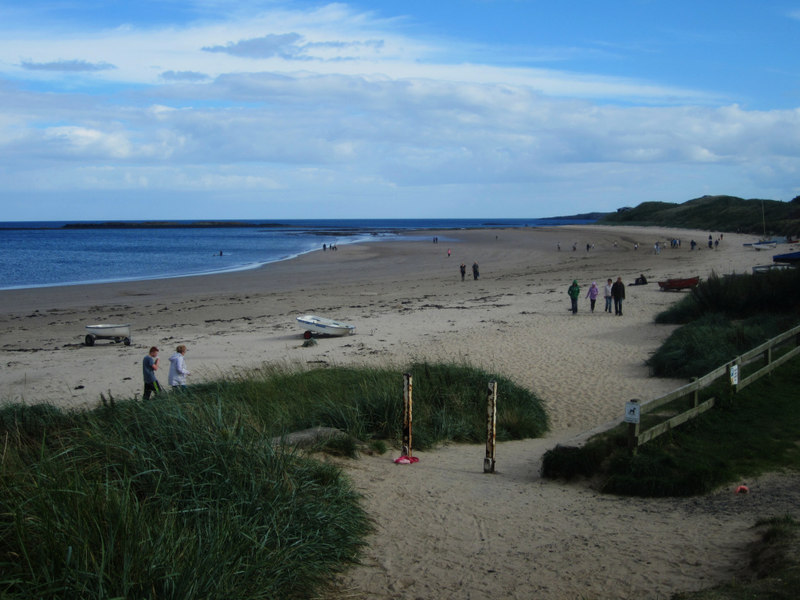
x=324 y=326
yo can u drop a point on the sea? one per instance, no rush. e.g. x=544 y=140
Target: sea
x=52 y=253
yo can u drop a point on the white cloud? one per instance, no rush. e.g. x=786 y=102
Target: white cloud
x=223 y=109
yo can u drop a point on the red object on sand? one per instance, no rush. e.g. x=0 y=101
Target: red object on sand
x=742 y=489
x=406 y=460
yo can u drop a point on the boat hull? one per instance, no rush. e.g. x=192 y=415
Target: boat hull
x=765 y=246
x=324 y=326
x=679 y=284
x=108 y=331
x=789 y=258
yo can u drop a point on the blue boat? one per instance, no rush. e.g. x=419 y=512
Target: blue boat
x=789 y=257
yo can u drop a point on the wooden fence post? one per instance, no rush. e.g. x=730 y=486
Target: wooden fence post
x=632 y=417
x=491 y=428
x=407 y=404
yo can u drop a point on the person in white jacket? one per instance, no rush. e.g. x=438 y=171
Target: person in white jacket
x=177 y=368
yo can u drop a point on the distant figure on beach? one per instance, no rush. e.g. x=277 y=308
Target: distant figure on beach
x=574 y=291
x=592 y=294
x=636 y=245
x=692 y=245
x=640 y=280
x=324 y=247
x=463 y=269
x=618 y=293
x=475 y=270
x=149 y=368
x=607 y=295
x=177 y=368
x=558 y=245
x=220 y=252
x=588 y=247
x=448 y=253
x=574 y=246
x=710 y=243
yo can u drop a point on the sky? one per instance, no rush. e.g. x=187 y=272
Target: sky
x=260 y=109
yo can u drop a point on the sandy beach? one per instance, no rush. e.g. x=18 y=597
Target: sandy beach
x=444 y=529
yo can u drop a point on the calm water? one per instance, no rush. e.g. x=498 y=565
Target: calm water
x=37 y=254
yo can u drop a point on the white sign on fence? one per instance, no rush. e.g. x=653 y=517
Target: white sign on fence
x=632 y=411
x=735 y=375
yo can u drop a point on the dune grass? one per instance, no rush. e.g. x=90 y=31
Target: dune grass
x=366 y=403
x=724 y=317
x=185 y=496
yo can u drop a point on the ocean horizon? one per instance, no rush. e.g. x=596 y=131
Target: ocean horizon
x=53 y=253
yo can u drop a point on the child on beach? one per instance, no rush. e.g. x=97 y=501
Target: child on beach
x=592 y=294
x=574 y=291
x=607 y=295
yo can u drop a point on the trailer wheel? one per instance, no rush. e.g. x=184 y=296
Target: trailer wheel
x=307 y=335
x=117 y=340
x=127 y=341
x=89 y=339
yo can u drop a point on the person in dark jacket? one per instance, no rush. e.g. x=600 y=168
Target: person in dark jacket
x=574 y=291
x=618 y=294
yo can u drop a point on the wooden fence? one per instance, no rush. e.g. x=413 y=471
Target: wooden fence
x=772 y=353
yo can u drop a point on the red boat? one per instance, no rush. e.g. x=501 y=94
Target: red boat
x=679 y=284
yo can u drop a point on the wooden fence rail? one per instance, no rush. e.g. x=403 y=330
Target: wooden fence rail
x=764 y=353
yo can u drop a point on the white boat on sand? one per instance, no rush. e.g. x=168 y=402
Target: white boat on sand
x=324 y=326
x=108 y=331
x=767 y=245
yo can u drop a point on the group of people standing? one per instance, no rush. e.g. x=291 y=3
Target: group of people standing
x=177 y=371
x=463 y=269
x=614 y=294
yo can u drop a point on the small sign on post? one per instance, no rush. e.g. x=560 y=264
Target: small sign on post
x=491 y=428
x=632 y=411
x=734 y=375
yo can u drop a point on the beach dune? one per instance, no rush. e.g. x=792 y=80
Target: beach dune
x=444 y=529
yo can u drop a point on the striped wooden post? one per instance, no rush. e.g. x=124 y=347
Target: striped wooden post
x=491 y=428
x=407 y=404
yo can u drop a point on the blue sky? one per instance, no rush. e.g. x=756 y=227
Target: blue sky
x=165 y=109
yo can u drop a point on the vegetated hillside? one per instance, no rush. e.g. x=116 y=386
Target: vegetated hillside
x=717 y=213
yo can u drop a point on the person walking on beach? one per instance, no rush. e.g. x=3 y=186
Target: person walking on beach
x=149 y=368
x=607 y=295
x=592 y=294
x=463 y=269
x=475 y=270
x=177 y=368
x=618 y=293
x=574 y=292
